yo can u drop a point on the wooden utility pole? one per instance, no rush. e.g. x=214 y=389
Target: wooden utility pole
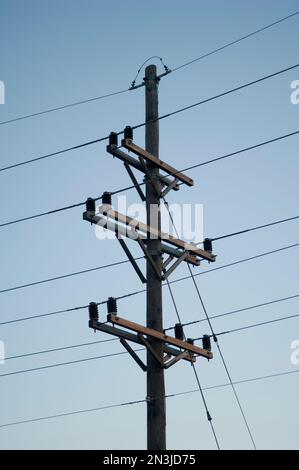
x=156 y=413
x=163 y=351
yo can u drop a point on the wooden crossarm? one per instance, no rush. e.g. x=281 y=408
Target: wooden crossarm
x=120 y=333
x=95 y=219
x=128 y=144
x=160 y=336
x=192 y=249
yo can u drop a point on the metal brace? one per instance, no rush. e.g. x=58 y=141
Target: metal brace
x=175 y=264
x=131 y=259
x=176 y=359
x=164 y=363
x=166 y=262
x=133 y=354
x=135 y=182
x=166 y=358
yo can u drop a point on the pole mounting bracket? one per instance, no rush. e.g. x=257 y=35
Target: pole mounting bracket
x=133 y=337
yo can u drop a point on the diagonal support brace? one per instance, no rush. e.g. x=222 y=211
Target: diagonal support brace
x=131 y=259
x=167 y=262
x=134 y=181
x=133 y=354
x=173 y=361
x=175 y=265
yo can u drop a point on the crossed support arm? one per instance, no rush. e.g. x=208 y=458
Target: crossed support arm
x=125 y=226
x=172 y=354
x=167 y=361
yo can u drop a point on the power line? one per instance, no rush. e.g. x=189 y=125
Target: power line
x=167 y=70
x=125 y=352
x=61 y=209
x=115 y=354
x=271 y=302
x=258 y=227
x=35 y=353
x=209 y=417
x=237 y=152
x=270 y=376
x=237 y=382
x=67 y=310
x=214 y=51
x=59 y=108
x=41 y=214
x=96 y=98
x=59 y=364
x=71 y=413
x=33 y=317
x=88 y=358
x=63 y=348
x=220 y=95
x=255 y=325
x=84 y=271
x=224 y=363
x=236 y=396
x=172 y=395
x=234 y=263
x=54 y=154
x=215 y=339
x=236 y=41
x=64 y=276
x=276 y=139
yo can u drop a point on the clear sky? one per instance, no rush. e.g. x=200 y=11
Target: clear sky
x=56 y=52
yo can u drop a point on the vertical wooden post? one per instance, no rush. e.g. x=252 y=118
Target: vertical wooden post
x=156 y=413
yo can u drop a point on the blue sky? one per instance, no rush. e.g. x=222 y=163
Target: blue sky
x=54 y=53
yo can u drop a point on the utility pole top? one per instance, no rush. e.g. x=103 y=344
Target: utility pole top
x=151 y=72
